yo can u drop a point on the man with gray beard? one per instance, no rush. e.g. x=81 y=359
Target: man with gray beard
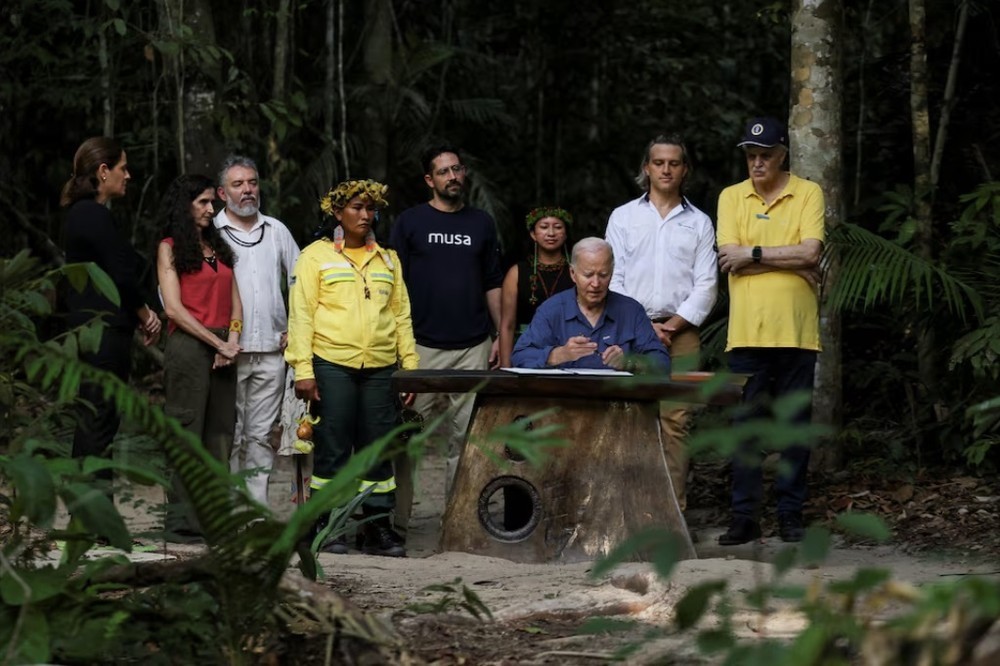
x=265 y=260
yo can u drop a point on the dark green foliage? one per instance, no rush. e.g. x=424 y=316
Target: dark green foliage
x=452 y=596
x=63 y=612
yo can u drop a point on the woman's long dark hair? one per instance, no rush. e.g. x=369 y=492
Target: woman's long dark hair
x=175 y=215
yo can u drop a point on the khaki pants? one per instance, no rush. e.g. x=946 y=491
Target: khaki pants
x=432 y=405
x=259 y=391
x=675 y=417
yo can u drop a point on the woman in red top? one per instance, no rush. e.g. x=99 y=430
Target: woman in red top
x=195 y=269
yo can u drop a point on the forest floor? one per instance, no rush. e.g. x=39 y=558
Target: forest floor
x=944 y=526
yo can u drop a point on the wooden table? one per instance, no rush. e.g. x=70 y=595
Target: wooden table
x=609 y=481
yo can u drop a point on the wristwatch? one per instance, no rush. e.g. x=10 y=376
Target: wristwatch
x=755 y=254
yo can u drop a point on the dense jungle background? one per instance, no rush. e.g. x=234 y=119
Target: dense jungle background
x=552 y=103
x=891 y=107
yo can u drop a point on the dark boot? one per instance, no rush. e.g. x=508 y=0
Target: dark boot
x=790 y=527
x=376 y=537
x=741 y=530
x=337 y=545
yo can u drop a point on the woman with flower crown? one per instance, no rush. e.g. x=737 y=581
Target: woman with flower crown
x=348 y=330
x=533 y=280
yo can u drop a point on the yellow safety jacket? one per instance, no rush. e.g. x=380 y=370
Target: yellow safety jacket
x=353 y=314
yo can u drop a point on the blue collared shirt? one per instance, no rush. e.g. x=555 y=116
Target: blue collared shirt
x=623 y=323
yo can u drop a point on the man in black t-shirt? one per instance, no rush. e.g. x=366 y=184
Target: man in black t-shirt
x=450 y=256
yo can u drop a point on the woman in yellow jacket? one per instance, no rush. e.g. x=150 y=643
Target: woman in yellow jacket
x=348 y=330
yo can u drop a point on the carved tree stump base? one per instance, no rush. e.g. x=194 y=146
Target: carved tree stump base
x=609 y=483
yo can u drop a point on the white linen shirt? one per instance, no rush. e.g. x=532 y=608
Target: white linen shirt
x=667 y=264
x=259 y=278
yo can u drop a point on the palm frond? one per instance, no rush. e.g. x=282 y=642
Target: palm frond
x=412 y=63
x=873 y=270
x=481 y=111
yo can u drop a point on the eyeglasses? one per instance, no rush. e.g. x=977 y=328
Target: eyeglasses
x=455 y=169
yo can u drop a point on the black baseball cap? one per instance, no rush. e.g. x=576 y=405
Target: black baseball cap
x=766 y=132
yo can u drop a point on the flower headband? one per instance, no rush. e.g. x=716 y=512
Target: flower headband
x=338 y=197
x=535 y=214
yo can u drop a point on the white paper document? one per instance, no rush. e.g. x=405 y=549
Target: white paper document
x=606 y=372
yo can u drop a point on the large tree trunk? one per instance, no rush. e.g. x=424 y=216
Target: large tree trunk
x=195 y=88
x=378 y=68
x=279 y=92
x=107 y=104
x=815 y=133
x=923 y=212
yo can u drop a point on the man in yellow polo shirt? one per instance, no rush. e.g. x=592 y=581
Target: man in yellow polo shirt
x=770 y=237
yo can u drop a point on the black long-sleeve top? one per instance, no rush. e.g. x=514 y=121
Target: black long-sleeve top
x=91 y=235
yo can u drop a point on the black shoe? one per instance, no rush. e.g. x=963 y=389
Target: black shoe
x=741 y=530
x=185 y=536
x=337 y=546
x=377 y=538
x=790 y=527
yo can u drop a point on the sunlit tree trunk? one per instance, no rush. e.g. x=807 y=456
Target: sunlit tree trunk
x=816 y=139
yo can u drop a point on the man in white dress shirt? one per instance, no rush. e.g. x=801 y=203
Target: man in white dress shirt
x=265 y=260
x=665 y=258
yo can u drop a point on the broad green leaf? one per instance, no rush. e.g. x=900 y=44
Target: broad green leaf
x=605 y=625
x=113 y=5
x=715 y=640
x=808 y=646
x=103 y=283
x=97 y=514
x=33 y=643
x=784 y=560
x=37 y=303
x=43 y=583
x=35 y=489
x=89 y=336
x=815 y=545
x=864 y=579
x=655 y=545
x=865 y=525
x=76 y=274
x=119 y=26
x=694 y=604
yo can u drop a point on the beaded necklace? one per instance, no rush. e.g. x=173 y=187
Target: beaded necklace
x=536 y=279
x=240 y=241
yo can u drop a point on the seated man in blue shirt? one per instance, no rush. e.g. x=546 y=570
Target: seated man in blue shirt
x=589 y=326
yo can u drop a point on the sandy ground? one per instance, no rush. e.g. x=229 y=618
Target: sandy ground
x=533 y=592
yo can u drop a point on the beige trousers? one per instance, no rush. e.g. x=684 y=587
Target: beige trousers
x=675 y=417
x=430 y=406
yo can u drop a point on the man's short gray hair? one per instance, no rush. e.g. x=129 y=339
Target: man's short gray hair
x=591 y=245
x=234 y=160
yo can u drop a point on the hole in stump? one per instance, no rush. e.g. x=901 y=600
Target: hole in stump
x=509 y=509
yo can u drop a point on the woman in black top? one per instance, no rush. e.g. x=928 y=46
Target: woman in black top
x=533 y=280
x=100 y=174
